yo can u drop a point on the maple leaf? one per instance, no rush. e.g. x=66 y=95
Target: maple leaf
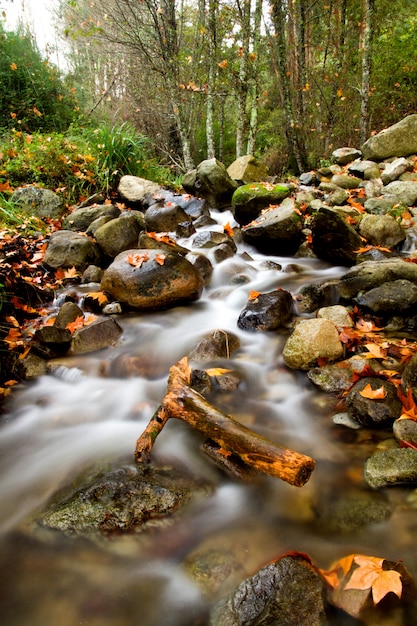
x=373 y=394
x=253 y=295
x=356 y=205
x=163 y=237
x=137 y=259
x=371 y=575
x=160 y=258
x=97 y=295
x=375 y=351
x=76 y=324
x=409 y=406
x=367 y=248
x=228 y=230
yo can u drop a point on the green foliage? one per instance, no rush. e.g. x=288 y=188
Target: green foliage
x=79 y=163
x=13 y=218
x=33 y=96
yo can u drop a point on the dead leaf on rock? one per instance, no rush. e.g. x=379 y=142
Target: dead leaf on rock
x=373 y=394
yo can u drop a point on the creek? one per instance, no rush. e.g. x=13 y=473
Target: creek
x=87 y=413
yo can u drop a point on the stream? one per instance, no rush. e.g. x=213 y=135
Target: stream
x=86 y=412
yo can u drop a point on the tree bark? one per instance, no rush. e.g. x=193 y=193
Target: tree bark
x=231 y=437
x=366 y=69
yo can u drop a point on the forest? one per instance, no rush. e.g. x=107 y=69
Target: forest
x=286 y=80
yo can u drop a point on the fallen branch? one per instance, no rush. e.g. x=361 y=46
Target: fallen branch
x=231 y=439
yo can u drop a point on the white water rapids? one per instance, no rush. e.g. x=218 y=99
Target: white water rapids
x=86 y=412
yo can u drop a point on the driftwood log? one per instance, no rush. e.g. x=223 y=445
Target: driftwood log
x=229 y=440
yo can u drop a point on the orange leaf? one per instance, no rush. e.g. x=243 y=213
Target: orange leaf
x=97 y=295
x=228 y=230
x=371 y=575
x=373 y=394
x=375 y=351
x=160 y=259
x=164 y=237
x=253 y=295
x=76 y=324
x=137 y=259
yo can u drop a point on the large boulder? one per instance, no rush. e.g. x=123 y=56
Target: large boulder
x=382 y=230
x=119 y=234
x=246 y=169
x=397 y=140
x=312 y=341
x=68 y=249
x=249 y=200
x=334 y=240
x=286 y=591
x=151 y=279
x=136 y=190
x=82 y=218
x=371 y=274
x=40 y=202
x=277 y=230
x=211 y=181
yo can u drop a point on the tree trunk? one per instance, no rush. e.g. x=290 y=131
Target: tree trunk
x=366 y=69
x=242 y=87
x=212 y=48
x=253 y=121
x=296 y=147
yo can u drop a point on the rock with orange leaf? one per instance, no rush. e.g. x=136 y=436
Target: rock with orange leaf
x=373 y=402
x=146 y=279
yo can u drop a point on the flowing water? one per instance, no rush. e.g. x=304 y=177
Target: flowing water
x=87 y=412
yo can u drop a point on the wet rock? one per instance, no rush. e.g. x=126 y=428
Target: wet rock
x=150 y=284
x=67 y=314
x=346 y=181
x=312 y=339
x=211 y=239
x=202 y=264
x=164 y=217
x=409 y=375
x=392 y=297
x=118 y=235
x=349 y=512
x=405 y=432
x=393 y=170
x=391 y=467
x=277 y=230
x=68 y=249
x=100 y=334
x=382 y=230
x=338 y=377
x=185 y=229
x=31 y=366
x=53 y=341
x=343 y=156
x=131 y=498
x=380 y=205
x=220 y=344
x=40 y=202
x=315 y=295
x=211 y=181
x=93 y=274
x=94 y=226
x=337 y=197
x=224 y=251
x=337 y=314
x=135 y=190
x=397 y=140
x=247 y=169
x=367 y=170
x=372 y=412
x=160 y=241
x=334 y=240
x=267 y=311
x=81 y=219
x=404 y=192
x=249 y=200
x=287 y=591
x=371 y=274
